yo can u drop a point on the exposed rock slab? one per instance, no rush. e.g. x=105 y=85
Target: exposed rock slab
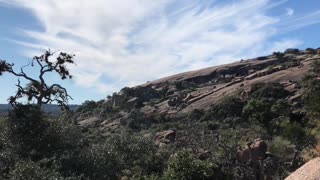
x=200 y=89
x=309 y=171
x=90 y=122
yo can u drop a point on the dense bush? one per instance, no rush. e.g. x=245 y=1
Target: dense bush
x=230 y=106
x=268 y=90
x=30 y=134
x=182 y=166
x=90 y=108
x=26 y=132
x=311 y=84
x=184 y=85
x=28 y=170
x=281 y=147
x=292 y=51
x=265 y=111
x=94 y=162
x=267 y=106
x=137 y=154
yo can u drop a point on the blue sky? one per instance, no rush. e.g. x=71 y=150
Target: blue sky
x=128 y=42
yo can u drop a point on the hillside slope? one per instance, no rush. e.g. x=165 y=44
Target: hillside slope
x=243 y=120
x=200 y=89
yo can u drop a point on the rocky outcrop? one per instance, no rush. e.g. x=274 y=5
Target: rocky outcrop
x=309 y=171
x=90 y=122
x=256 y=151
x=165 y=137
x=182 y=93
x=256 y=155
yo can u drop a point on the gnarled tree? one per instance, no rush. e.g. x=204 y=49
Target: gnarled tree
x=37 y=88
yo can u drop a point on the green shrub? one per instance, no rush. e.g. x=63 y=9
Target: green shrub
x=266 y=112
x=94 y=162
x=61 y=136
x=137 y=154
x=30 y=134
x=258 y=110
x=182 y=85
x=291 y=51
x=25 y=131
x=229 y=106
x=3 y=131
x=90 y=107
x=137 y=121
x=294 y=131
x=282 y=148
x=268 y=90
x=182 y=166
x=311 y=93
x=28 y=170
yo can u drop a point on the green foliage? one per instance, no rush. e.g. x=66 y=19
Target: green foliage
x=196 y=115
x=268 y=90
x=30 y=135
x=36 y=88
x=267 y=105
x=312 y=97
x=62 y=136
x=92 y=108
x=26 y=130
x=28 y=170
x=311 y=94
x=36 y=146
x=294 y=131
x=4 y=66
x=226 y=113
x=311 y=51
x=137 y=120
x=182 y=85
x=264 y=111
x=280 y=108
x=94 y=162
x=291 y=51
x=182 y=166
x=230 y=106
x=281 y=147
x=87 y=106
x=278 y=54
x=140 y=155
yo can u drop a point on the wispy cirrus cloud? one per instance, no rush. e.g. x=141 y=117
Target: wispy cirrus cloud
x=125 y=43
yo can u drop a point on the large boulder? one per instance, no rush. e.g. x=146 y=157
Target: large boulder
x=256 y=155
x=165 y=137
x=309 y=171
x=255 y=151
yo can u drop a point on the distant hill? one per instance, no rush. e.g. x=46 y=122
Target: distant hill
x=49 y=108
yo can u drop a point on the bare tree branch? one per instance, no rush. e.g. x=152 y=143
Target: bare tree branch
x=38 y=89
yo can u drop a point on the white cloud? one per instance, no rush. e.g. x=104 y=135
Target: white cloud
x=289 y=11
x=129 y=42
